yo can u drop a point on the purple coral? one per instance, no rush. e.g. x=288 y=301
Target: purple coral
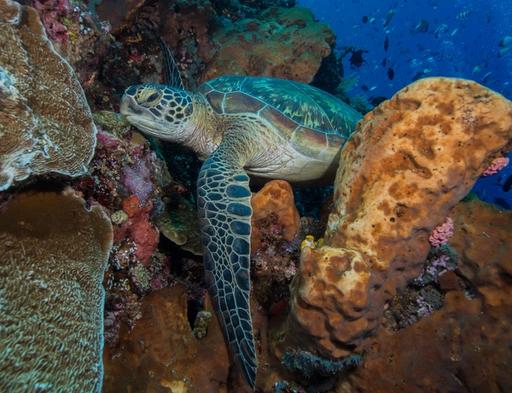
x=442 y=233
x=424 y=307
x=137 y=179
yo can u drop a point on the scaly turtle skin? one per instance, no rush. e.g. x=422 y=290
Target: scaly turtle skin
x=269 y=127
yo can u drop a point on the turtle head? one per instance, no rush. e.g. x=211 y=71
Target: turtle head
x=159 y=110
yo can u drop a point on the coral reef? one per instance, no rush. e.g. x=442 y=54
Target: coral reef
x=275 y=239
x=276 y=197
x=280 y=42
x=309 y=365
x=45 y=121
x=463 y=347
x=178 y=222
x=52 y=12
x=442 y=233
x=399 y=265
x=139 y=228
x=496 y=165
x=207 y=37
x=128 y=179
x=162 y=354
x=497 y=188
x=412 y=159
x=54 y=253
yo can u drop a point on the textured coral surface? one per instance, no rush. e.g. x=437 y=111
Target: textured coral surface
x=53 y=256
x=412 y=159
x=465 y=346
x=45 y=121
x=161 y=353
x=441 y=321
x=280 y=42
x=214 y=37
x=276 y=197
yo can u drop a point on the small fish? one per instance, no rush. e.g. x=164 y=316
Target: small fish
x=454 y=32
x=357 y=60
x=477 y=69
x=463 y=14
x=364 y=19
x=422 y=26
x=440 y=30
x=373 y=88
x=389 y=17
x=505 y=45
x=503 y=51
x=391 y=73
x=386 y=43
x=486 y=77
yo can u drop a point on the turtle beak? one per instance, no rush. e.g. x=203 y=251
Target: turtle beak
x=129 y=106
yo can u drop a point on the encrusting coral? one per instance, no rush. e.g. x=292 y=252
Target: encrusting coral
x=276 y=197
x=211 y=38
x=280 y=42
x=163 y=355
x=178 y=222
x=45 y=121
x=54 y=253
x=274 y=244
x=413 y=158
x=464 y=346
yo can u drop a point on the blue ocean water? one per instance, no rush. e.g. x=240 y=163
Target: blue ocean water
x=461 y=38
x=387 y=44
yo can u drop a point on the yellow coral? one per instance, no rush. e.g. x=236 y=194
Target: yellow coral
x=309 y=241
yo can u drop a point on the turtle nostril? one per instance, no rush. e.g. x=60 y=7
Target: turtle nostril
x=131 y=91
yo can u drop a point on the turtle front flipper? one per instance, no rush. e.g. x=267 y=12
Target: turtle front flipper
x=224 y=204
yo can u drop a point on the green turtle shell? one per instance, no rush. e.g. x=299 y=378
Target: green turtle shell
x=314 y=121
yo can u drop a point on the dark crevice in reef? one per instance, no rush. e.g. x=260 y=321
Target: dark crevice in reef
x=330 y=73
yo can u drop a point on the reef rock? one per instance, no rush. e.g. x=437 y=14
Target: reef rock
x=178 y=222
x=274 y=245
x=463 y=347
x=275 y=198
x=281 y=42
x=45 y=122
x=54 y=253
x=161 y=353
x=410 y=161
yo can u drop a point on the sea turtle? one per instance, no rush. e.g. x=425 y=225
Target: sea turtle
x=241 y=125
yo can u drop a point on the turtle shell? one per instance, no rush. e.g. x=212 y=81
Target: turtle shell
x=314 y=121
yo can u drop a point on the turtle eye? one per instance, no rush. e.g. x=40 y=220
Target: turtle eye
x=149 y=98
x=152 y=97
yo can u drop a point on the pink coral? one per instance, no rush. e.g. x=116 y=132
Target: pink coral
x=442 y=233
x=139 y=228
x=52 y=12
x=108 y=140
x=145 y=236
x=496 y=165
